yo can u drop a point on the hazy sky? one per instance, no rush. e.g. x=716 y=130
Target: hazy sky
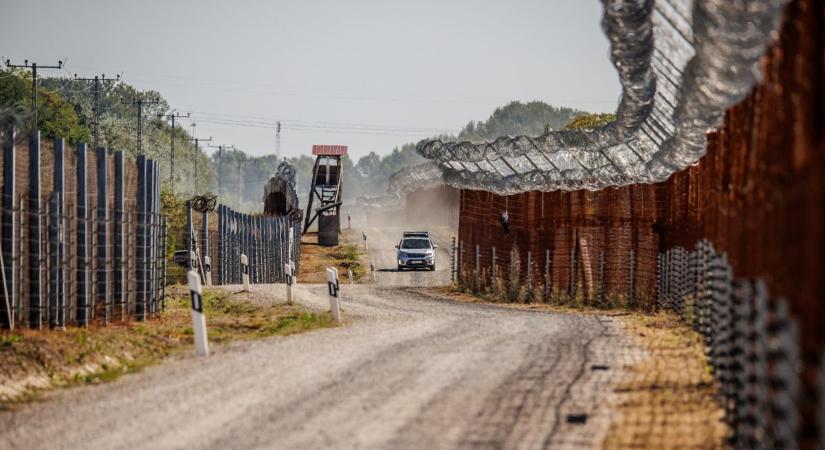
x=371 y=74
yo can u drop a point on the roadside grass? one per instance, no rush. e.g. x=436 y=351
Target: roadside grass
x=670 y=398
x=667 y=400
x=32 y=361
x=347 y=255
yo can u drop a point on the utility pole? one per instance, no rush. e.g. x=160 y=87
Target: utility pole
x=195 y=159
x=139 y=102
x=240 y=183
x=220 y=164
x=278 y=141
x=33 y=67
x=172 y=116
x=96 y=82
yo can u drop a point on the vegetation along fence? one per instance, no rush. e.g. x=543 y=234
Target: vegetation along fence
x=221 y=235
x=82 y=235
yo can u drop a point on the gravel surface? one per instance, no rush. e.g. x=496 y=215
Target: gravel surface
x=407 y=370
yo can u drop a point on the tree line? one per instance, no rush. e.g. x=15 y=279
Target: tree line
x=66 y=109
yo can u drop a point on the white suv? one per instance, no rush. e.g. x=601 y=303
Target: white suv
x=416 y=250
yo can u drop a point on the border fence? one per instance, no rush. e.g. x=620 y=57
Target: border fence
x=82 y=235
x=751 y=341
x=756 y=195
x=222 y=235
x=593 y=248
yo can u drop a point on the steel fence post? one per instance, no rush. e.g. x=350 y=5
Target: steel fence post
x=59 y=190
x=102 y=257
x=10 y=231
x=547 y=277
x=119 y=272
x=601 y=278
x=35 y=253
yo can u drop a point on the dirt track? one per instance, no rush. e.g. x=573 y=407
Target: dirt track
x=407 y=371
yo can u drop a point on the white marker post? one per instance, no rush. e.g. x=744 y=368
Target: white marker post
x=332 y=285
x=289 y=270
x=198 y=319
x=207 y=269
x=245 y=271
x=349 y=275
x=338 y=288
x=366 y=246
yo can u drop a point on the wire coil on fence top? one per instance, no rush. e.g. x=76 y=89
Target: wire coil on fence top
x=204 y=203
x=662 y=50
x=296 y=215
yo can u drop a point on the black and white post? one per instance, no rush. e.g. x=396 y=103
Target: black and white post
x=332 y=285
x=245 y=271
x=207 y=270
x=289 y=270
x=198 y=319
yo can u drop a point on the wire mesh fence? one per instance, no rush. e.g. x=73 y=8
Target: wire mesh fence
x=221 y=236
x=83 y=239
x=751 y=341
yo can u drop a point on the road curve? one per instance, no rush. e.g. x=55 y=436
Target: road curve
x=408 y=370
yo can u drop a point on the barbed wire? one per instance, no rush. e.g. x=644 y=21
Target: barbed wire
x=676 y=81
x=204 y=203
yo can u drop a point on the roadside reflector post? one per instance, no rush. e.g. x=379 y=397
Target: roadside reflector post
x=366 y=246
x=245 y=271
x=289 y=270
x=332 y=286
x=372 y=272
x=207 y=269
x=349 y=275
x=198 y=319
x=337 y=287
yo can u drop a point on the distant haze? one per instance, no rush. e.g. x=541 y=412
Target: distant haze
x=370 y=74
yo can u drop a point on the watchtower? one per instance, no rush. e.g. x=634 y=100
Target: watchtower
x=327 y=177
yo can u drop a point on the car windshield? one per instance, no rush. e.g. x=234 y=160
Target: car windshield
x=415 y=244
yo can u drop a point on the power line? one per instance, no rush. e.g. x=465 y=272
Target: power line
x=140 y=102
x=96 y=82
x=220 y=163
x=273 y=122
x=33 y=67
x=172 y=116
x=195 y=159
x=328 y=128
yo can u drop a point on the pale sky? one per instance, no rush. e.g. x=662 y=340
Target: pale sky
x=370 y=74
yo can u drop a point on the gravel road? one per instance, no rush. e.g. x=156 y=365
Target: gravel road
x=408 y=370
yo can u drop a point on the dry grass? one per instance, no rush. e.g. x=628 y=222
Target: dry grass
x=349 y=254
x=33 y=361
x=670 y=399
x=452 y=293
